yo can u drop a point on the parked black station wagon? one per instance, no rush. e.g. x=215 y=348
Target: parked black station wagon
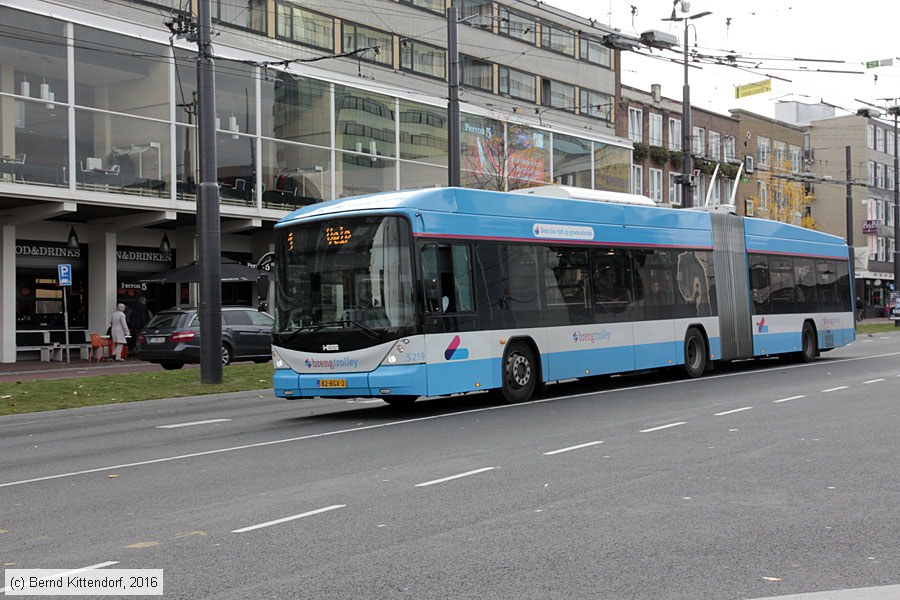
x=172 y=337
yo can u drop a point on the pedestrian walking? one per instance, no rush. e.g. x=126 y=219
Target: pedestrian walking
x=118 y=330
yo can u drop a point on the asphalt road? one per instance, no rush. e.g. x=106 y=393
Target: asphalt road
x=763 y=479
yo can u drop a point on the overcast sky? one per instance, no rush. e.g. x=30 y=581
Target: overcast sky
x=762 y=31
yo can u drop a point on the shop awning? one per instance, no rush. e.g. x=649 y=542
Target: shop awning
x=232 y=271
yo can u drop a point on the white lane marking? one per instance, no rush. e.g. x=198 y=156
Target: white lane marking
x=452 y=477
x=711 y=379
x=664 y=427
x=73 y=572
x=176 y=425
x=834 y=389
x=872 y=381
x=731 y=412
x=578 y=447
x=788 y=399
x=291 y=518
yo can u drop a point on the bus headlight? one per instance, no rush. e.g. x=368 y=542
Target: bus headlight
x=406 y=351
x=277 y=361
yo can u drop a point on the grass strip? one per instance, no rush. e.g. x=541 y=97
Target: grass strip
x=52 y=394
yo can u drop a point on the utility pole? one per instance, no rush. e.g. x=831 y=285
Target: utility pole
x=850 y=223
x=453 y=141
x=895 y=110
x=209 y=229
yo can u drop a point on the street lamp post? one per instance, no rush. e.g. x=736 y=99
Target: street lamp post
x=453 y=143
x=687 y=163
x=895 y=111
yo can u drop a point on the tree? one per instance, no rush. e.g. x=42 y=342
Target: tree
x=498 y=155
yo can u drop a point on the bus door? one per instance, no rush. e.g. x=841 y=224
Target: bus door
x=615 y=307
x=457 y=351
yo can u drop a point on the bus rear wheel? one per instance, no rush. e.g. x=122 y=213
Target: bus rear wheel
x=519 y=374
x=695 y=353
x=808 y=344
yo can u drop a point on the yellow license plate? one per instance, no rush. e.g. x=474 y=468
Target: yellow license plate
x=332 y=383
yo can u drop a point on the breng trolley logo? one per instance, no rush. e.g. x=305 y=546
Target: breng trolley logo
x=314 y=363
x=592 y=337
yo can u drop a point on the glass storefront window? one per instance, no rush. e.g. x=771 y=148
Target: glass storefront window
x=33 y=98
x=121 y=74
x=423 y=133
x=483 y=153
x=236 y=171
x=364 y=174
x=185 y=86
x=612 y=168
x=186 y=165
x=528 y=157
x=417 y=175
x=236 y=98
x=121 y=154
x=296 y=109
x=572 y=161
x=364 y=122
x=294 y=175
x=35 y=142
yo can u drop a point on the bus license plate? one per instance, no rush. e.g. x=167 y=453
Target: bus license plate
x=332 y=383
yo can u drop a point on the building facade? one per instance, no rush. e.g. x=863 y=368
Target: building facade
x=654 y=124
x=98 y=112
x=871 y=186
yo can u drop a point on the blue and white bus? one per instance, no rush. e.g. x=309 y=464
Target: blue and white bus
x=448 y=290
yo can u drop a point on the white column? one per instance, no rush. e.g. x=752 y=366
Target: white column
x=101 y=279
x=7 y=294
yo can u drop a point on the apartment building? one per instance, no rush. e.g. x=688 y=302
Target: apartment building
x=871 y=149
x=653 y=123
x=314 y=101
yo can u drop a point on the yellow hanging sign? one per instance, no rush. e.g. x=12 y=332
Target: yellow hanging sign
x=759 y=87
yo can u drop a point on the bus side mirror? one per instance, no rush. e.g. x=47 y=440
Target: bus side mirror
x=262 y=287
x=433 y=290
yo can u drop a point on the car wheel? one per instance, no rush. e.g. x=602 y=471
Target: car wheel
x=226 y=355
x=171 y=365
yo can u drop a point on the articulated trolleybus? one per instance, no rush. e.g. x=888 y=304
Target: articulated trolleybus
x=448 y=290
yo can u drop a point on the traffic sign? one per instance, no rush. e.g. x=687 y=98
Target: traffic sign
x=65 y=275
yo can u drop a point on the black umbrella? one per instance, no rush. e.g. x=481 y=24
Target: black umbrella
x=232 y=271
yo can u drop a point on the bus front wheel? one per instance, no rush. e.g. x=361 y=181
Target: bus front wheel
x=695 y=353
x=519 y=374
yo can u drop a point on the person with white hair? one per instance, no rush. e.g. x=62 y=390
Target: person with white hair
x=118 y=330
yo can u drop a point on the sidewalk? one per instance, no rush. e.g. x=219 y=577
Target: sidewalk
x=25 y=370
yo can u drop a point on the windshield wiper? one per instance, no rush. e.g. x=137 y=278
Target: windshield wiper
x=286 y=336
x=367 y=330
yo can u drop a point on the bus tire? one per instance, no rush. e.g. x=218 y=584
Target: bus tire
x=400 y=401
x=695 y=353
x=519 y=373
x=809 y=348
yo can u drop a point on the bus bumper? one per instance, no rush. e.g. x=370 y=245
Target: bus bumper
x=406 y=380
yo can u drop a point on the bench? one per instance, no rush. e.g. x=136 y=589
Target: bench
x=52 y=344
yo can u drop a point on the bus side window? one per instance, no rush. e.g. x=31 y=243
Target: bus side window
x=447 y=270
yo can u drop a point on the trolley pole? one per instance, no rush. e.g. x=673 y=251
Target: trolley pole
x=209 y=229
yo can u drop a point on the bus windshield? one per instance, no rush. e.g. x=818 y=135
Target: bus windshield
x=351 y=274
